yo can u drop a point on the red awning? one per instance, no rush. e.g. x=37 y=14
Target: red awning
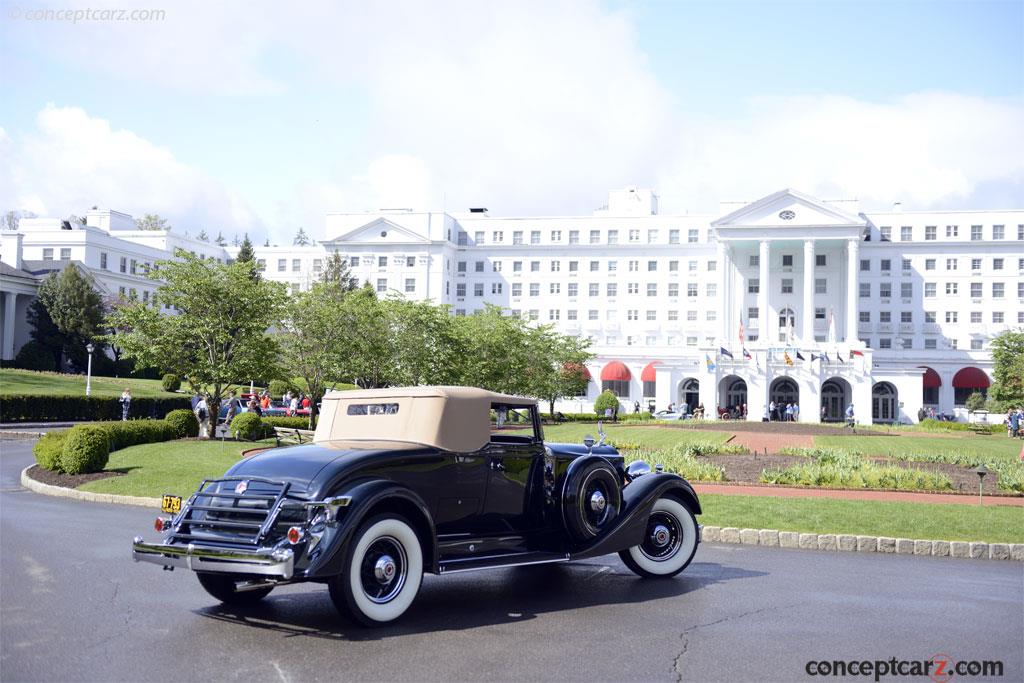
x=648 y=374
x=931 y=378
x=970 y=378
x=615 y=371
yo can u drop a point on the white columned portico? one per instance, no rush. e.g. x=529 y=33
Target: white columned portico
x=7 y=348
x=724 y=295
x=852 y=290
x=762 y=292
x=807 y=334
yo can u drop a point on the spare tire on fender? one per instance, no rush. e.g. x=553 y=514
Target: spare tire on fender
x=591 y=498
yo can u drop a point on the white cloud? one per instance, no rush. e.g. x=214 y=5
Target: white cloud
x=73 y=161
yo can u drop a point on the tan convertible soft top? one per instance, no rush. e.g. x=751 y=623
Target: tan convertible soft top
x=451 y=418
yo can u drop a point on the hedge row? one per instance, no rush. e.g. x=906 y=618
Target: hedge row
x=287 y=422
x=85 y=448
x=78 y=408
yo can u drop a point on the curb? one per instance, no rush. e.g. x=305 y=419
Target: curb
x=863 y=544
x=13 y=435
x=61 y=492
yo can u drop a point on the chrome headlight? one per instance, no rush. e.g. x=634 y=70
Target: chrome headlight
x=637 y=468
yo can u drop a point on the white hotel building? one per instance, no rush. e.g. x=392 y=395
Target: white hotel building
x=888 y=311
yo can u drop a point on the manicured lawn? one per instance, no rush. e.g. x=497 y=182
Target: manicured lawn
x=174 y=467
x=645 y=437
x=926 y=521
x=995 y=446
x=29 y=383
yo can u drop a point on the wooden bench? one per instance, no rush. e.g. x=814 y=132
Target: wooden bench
x=287 y=435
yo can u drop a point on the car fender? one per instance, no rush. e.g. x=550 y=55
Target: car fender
x=637 y=500
x=368 y=497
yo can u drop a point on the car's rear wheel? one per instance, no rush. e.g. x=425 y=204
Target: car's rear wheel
x=382 y=572
x=224 y=587
x=670 y=541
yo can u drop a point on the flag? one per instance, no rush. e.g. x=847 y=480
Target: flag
x=814 y=357
x=825 y=356
x=785 y=355
x=840 y=357
x=799 y=357
x=743 y=333
x=832 y=327
x=723 y=352
x=856 y=353
x=711 y=365
x=746 y=354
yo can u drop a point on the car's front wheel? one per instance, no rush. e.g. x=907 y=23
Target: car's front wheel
x=225 y=588
x=670 y=541
x=382 y=573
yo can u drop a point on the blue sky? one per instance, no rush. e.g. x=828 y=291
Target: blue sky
x=251 y=116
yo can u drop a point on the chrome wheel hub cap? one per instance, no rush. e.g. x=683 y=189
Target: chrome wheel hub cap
x=384 y=569
x=660 y=536
x=597 y=502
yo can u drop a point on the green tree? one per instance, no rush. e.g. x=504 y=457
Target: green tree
x=497 y=355
x=218 y=334
x=66 y=315
x=152 y=221
x=336 y=271
x=1008 y=370
x=220 y=241
x=976 y=401
x=559 y=367
x=202 y=236
x=245 y=252
x=301 y=238
x=427 y=349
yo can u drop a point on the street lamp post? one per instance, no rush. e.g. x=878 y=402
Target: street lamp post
x=88 y=373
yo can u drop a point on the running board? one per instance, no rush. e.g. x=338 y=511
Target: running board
x=499 y=561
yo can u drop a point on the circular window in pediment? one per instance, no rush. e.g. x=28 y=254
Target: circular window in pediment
x=383 y=233
x=787 y=215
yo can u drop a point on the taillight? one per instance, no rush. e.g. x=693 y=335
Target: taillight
x=295 y=535
x=161 y=524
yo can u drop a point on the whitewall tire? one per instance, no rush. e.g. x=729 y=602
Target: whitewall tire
x=669 y=544
x=383 y=571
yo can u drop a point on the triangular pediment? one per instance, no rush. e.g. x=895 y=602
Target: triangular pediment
x=379 y=231
x=788 y=208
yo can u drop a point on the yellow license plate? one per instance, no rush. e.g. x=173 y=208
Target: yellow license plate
x=171 y=504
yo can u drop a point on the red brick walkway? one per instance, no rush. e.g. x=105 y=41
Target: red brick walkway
x=897 y=496
x=757 y=442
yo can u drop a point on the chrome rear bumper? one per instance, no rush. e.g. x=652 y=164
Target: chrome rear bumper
x=264 y=562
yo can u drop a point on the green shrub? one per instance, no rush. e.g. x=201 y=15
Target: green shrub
x=280 y=387
x=249 y=427
x=853 y=472
x=975 y=402
x=286 y=422
x=33 y=356
x=48 y=449
x=605 y=401
x=682 y=463
x=184 y=423
x=705 y=448
x=86 y=449
x=171 y=382
x=17 y=408
x=642 y=416
x=135 y=432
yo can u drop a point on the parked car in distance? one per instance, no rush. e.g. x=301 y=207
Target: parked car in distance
x=405 y=481
x=669 y=415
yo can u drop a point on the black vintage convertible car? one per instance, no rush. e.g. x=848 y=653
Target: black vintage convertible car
x=398 y=482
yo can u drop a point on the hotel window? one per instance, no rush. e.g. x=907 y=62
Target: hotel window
x=691 y=266
x=906 y=265
x=867 y=233
x=886 y=233
x=952 y=289
x=297 y=265
x=820 y=285
x=48 y=256
x=574 y=266
x=517 y=266
x=534 y=266
x=691 y=341
x=461 y=266
x=906 y=316
x=885 y=343
x=103 y=260
x=261 y=264
x=997 y=290
x=496 y=266
x=929 y=232
x=755 y=261
x=953 y=344
x=382 y=284
x=478 y=289
x=885 y=316
x=382 y=261
x=691 y=316
x=554 y=314
x=929 y=316
x=975 y=317
x=673 y=315
x=975 y=233
x=1020 y=233
x=556 y=266
x=594 y=289
x=633 y=288
x=613 y=237
x=819 y=313
x=132 y=269
x=517 y=237
x=952 y=231
x=673 y=266
x=929 y=264
x=952 y=316
x=865 y=316
x=865 y=264
x=1020 y=317
x=906 y=233
x=907 y=290
x=460 y=289
x=652 y=315
x=753 y=313
x=929 y=345
x=820 y=260
x=997 y=317
x=1020 y=290
x=865 y=290
x=952 y=264
x=612 y=289
x=929 y=290
x=535 y=237
x=632 y=314
x=634 y=266
x=652 y=266
x=555 y=288
x=692 y=236
x=907 y=343
x=592 y=314
x=753 y=285
x=353 y=261
x=673 y=289
x=673 y=237
x=498 y=236
x=976 y=344
x=595 y=266
x=462 y=238
x=534 y=289
x=634 y=235
x=975 y=290
x=410 y=284
x=613 y=266
x=496 y=287
x=573 y=289
x=691 y=290
x=65 y=255
x=570 y=314
x=595 y=236
x=533 y=314
x=711 y=290
x=787 y=260
x=884 y=290
x=517 y=289
x=711 y=316
x=712 y=266
x=652 y=236
x=318 y=265
x=997 y=264
x=282 y=265
x=886 y=265
x=998 y=232
x=1020 y=264
x=478 y=237
x=574 y=237
x=556 y=235
x=975 y=264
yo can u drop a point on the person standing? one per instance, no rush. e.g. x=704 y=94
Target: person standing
x=771 y=411
x=293 y=406
x=203 y=415
x=849 y=416
x=796 y=412
x=824 y=412
x=233 y=408
x=636 y=407
x=126 y=403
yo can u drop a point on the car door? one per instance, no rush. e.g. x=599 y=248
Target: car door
x=515 y=461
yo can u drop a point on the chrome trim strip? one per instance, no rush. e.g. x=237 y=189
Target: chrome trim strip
x=265 y=562
x=442 y=570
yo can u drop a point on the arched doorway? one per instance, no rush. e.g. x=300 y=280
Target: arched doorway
x=689 y=393
x=930 y=383
x=783 y=391
x=787 y=323
x=884 y=403
x=967 y=381
x=836 y=394
x=732 y=394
